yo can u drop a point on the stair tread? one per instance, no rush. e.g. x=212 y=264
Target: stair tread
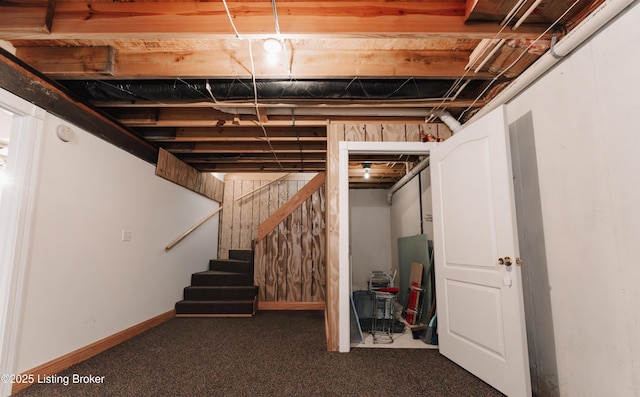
x=223 y=286
x=226 y=288
x=232 y=260
x=216 y=301
x=219 y=272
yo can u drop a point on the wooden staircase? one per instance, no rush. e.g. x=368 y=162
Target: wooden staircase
x=225 y=290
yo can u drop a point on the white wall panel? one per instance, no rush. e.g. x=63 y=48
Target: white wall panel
x=588 y=151
x=85 y=283
x=370 y=234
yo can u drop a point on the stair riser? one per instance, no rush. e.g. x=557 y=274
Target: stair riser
x=231 y=266
x=219 y=294
x=221 y=279
x=243 y=255
x=210 y=307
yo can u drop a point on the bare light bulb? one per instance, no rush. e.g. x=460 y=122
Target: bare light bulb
x=272 y=46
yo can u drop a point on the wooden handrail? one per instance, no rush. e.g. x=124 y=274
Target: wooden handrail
x=185 y=234
x=287 y=208
x=197 y=225
x=262 y=187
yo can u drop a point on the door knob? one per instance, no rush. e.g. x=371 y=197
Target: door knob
x=506 y=261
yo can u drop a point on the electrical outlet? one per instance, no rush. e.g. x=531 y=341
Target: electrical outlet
x=126 y=235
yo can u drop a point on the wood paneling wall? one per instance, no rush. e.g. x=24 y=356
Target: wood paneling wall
x=290 y=260
x=390 y=132
x=177 y=171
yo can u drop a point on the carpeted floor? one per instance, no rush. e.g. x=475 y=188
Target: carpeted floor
x=275 y=353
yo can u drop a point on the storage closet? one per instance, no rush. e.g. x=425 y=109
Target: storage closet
x=382 y=261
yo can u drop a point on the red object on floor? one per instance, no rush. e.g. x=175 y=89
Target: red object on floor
x=412 y=303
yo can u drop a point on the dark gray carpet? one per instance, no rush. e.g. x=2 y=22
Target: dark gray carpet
x=275 y=353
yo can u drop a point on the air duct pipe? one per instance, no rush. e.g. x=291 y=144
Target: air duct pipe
x=591 y=24
x=405 y=179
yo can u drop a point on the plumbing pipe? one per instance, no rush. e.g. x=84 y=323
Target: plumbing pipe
x=492 y=53
x=514 y=10
x=451 y=122
x=405 y=179
x=591 y=24
x=453 y=125
x=526 y=14
x=334 y=111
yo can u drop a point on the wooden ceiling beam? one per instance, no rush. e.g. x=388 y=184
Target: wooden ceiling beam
x=301 y=63
x=171 y=117
x=232 y=133
x=26 y=16
x=261 y=167
x=71 y=62
x=318 y=157
x=264 y=159
x=158 y=19
x=244 y=147
x=238 y=132
x=27 y=83
x=256 y=137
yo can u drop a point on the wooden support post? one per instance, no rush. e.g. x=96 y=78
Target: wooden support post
x=333 y=238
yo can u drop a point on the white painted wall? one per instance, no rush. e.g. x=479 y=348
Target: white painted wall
x=5 y=135
x=83 y=282
x=405 y=211
x=588 y=151
x=5 y=123
x=370 y=231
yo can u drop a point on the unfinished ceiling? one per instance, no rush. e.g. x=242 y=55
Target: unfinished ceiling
x=195 y=78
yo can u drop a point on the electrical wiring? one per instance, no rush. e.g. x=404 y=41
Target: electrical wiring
x=253 y=80
x=455 y=86
x=282 y=42
x=553 y=24
x=233 y=25
x=257 y=107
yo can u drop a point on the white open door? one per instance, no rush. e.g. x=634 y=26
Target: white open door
x=481 y=322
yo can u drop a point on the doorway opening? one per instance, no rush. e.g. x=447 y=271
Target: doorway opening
x=345 y=271
x=17 y=197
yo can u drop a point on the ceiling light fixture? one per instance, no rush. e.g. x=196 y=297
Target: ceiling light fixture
x=366 y=170
x=272 y=46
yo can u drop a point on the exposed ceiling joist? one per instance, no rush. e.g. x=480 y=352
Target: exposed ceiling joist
x=182 y=20
x=173 y=74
